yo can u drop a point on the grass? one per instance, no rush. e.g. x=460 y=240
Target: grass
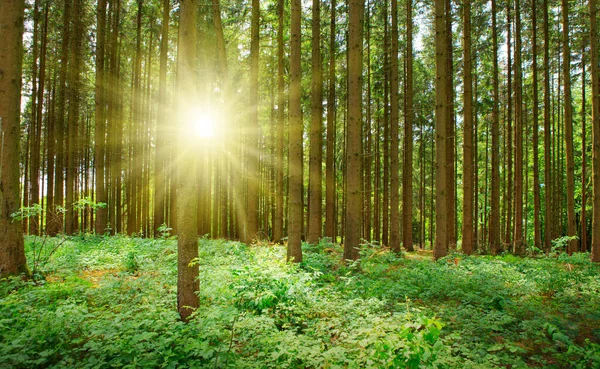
x=110 y=302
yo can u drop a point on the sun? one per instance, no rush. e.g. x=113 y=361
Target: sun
x=202 y=123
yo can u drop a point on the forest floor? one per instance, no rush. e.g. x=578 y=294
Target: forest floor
x=104 y=302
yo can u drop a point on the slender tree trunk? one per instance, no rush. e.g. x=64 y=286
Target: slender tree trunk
x=568 y=121
x=353 y=155
x=315 y=192
x=509 y=143
x=547 y=142
x=494 y=237
x=535 y=112
x=407 y=187
x=394 y=143
x=100 y=134
x=519 y=241
x=12 y=251
x=253 y=132
x=595 y=132
x=468 y=177
x=278 y=221
x=450 y=130
x=160 y=162
x=187 y=212
x=583 y=220
x=294 y=249
x=441 y=131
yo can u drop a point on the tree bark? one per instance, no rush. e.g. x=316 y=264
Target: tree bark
x=519 y=241
x=12 y=251
x=535 y=112
x=468 y=160
x=315 y=192
x=494 y=237
x=100 y=134
x=595 y=132
x=187 y=212
x=354 y=160
x=294 y=249
x=394 y=143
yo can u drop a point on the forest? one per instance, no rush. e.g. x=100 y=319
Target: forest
x=299 y=184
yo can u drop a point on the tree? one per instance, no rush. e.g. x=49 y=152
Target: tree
x=494 y=230
x=407 y=188
x=12 y=250
x=535 y=112
x=278 y=220
x=441 y=122
x=568 y=121
x=101 y=195
x=353 y=155
x=394 y=164
x=595 y=131
x=315 y=191
x=468 y=158
x=253 y=131
x=294 y=249
x=187 y=206
x=331 y=117
x=547 y=142
x=160 y=165
x=519 y=242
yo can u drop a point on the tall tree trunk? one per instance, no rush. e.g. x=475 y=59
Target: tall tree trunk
x=394 y=143
x=407 y=188
x=519 y=241
x=450 y=130
x=12 y=251
x=547 y=142
x=537 y=228
x=494 y=238
x=101 y=195
x=294 y=249
x=509 y=143
x=253 y=131
x=315 y=192
x=468 y=160
x=187 y=212
x=568 y=121
x=353 y=155
x=278 y=221
x=595 y=132
x=441 y=131
x=160 y=163
x=583 y=219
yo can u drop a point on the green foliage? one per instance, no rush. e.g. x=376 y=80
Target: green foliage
x=110 y=302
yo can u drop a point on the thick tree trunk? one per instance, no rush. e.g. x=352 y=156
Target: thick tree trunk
x=537 y=229
x=568 y=121
x=187 y=212
x=353 y=155
x=547 y=142
x=278 y=220
x=12 y=252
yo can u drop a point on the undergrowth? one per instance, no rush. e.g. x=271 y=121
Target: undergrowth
x=110 y=302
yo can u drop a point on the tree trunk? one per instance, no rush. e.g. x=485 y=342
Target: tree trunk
x=407 y=188
x=536 y=176
x=568 y=121
x=519 y=241
x=394 y=143
x=101 y=196
x=187 y=212
x=547 y=142
x=278 y=221
x=354 y=160
x=294 y=249
x=494 y=238
x=595 y=132
x=468 y=160
x=441 y=130
x=12 y=251
x=316 y=131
